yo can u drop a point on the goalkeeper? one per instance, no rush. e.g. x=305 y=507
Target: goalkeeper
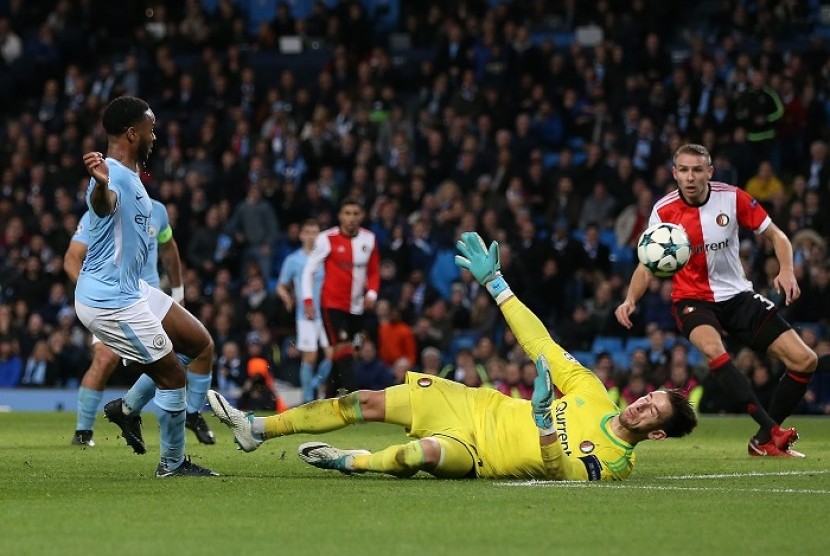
x=465 y=432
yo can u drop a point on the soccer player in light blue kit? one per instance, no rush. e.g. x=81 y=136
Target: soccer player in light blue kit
x=115 y=304
x=310 y=333
x=105 y=361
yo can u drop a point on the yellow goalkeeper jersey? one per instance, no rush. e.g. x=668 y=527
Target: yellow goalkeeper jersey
x=509 y=440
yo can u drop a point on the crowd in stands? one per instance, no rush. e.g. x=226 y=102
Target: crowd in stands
x=547 y=125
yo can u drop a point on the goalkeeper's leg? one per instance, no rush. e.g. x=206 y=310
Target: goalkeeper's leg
x=390 y=406
x=439 y=456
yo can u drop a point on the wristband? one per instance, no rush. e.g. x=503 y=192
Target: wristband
x=546 y=431
x=177 y=293
x=498 y=288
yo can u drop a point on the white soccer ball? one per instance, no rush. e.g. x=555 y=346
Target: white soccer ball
x=664 y=249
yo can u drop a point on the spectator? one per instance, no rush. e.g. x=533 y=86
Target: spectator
x=254 y=227
x=395 y=337
x=370 y=372
x=11 y=367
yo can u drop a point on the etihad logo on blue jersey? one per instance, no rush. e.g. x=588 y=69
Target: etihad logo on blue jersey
x=708 y=247
x=143 y=221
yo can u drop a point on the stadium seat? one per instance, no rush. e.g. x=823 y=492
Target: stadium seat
x=444 y=272
x=587 y=358
x=462 y=340
x=608 y=238
x=550 y=160
x=610 y=344
x=621 y=360
x=636 y=343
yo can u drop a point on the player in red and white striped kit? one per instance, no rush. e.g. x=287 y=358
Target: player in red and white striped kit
x=351 y=261
x=711 y=294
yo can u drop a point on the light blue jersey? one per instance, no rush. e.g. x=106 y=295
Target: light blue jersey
x=292 y=271
x=160 y=232
x=119 y=243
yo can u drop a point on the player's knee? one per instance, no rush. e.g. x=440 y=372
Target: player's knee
x=104 y=363
x=432 y=451
x=210 y=348
x=372 y=404
x=804 y=361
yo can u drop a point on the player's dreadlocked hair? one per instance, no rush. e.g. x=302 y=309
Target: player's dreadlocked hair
x=683 y=419
x=122 y=113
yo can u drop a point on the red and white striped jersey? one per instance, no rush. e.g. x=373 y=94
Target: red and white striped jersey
x=714 y=271
x=352 y=268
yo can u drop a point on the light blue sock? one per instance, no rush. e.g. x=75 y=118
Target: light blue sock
x=88 y=402
x=197 y=388
x=140 y=394
x=307 y=381
x=323 y=372
x=172 y=405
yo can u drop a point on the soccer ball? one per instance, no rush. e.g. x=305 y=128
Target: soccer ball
x=664 y=249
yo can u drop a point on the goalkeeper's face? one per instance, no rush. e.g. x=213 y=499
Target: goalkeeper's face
x=647 y=414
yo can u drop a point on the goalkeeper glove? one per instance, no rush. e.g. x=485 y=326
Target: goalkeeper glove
x=542 y=398
x=483 y=264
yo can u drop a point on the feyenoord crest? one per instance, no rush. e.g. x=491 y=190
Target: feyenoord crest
x=424 y=382
x=586 y=447
x=722 y=220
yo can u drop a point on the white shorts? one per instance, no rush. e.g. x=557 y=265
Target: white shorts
x=158 y=301
x=311 y=335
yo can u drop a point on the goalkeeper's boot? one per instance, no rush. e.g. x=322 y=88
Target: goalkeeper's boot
x=186 y=469
x=83 y=438
x=324 y=456
x=196 y=423
x=240 y=423
x=130 y=425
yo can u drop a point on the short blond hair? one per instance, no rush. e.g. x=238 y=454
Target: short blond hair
x=693 y=149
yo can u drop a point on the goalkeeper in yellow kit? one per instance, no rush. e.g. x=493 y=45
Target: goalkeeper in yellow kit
x=468 y=432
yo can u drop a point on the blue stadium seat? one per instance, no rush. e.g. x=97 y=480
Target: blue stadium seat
x=587 y=358
x=636 y=343
x=621 y=360
x=550 y=160
x=462 y=340
x=444 y=272
x=610 y=344
x=695 y=357
x=608 y=238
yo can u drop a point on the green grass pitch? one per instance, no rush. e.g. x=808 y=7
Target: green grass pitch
x=700 y=495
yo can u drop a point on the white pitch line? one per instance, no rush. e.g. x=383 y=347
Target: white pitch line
x=748 y=474
x=567 y=484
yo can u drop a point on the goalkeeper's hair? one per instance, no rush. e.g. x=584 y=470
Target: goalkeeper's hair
x=123 y=113
x=683 y=419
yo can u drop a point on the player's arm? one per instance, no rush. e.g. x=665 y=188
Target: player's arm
x=73 y=259
x=102 y=199
x=322 y=247
x=284 y=280
x=529 y=330
x=784 y=253
x=636 y=289
x=169 y=255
